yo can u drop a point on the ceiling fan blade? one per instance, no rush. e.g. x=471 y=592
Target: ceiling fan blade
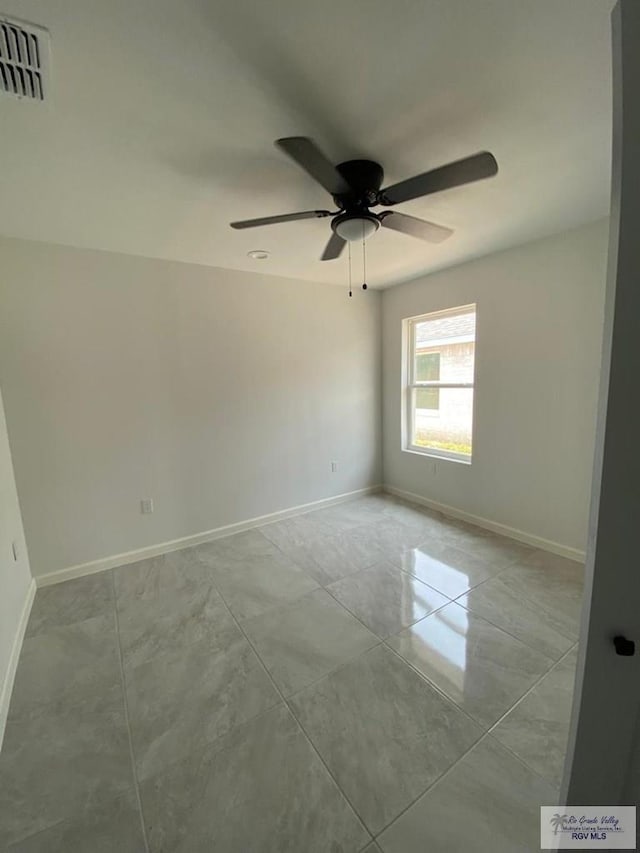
x=283 y=217
x=307 y=154
x=474 y=168
x=334 y=248
x=415 y=227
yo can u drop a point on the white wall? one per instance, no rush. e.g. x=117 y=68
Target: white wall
x=222 y=395
x=539 y=334
x=15 y=575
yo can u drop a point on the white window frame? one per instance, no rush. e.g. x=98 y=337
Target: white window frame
x=411 y=385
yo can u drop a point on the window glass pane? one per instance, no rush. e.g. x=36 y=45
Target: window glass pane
x=457 y=362
x=445 y=347
x=447 y=427
x=428 y=398
x=427 y=366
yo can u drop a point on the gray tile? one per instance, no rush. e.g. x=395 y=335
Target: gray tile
x=355 y=513
x=430 y=526
x=304 y=557
x=499 y=551
x=488 y=803
x=333 y=557
x=385 y=734
x=179 y=572
x=223 y=764
x=152 y=626
x=379 y=502
x=260 y=789
x=572 y=571
x=445 y=567
x=58 y=764
x=249 y=544
x=70 y=602
x=393 y=537
x=342 y=517
x=111 y=826
x=291 y=532
x=411 y=514
x=386 y=599
x=481 y=668
x=554 y=584
x=505 y=607
x=180 y=701
x=253 y=586
x=64 y=665
x=537 y=729
x=303 y=641
x=363 y=547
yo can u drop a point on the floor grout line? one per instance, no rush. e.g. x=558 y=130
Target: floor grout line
x=533 y=687
x=289 y=697
x=438 y=689
x=293 y=714
x=127 y=717
x=492 y=729
x=572 y=640
x=431 y=785
x=485 y=734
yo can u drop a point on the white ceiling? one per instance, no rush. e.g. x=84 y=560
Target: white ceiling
x=164 y=113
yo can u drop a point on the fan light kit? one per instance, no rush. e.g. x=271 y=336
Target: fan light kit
x=353 y=228
x=258 y=254
x=355 y=187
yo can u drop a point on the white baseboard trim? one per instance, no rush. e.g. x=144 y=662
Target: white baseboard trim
x=112 y=562
x=10 y=674
x=494 y=526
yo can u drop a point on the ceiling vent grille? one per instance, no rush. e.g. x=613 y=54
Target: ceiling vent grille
x=24 y=60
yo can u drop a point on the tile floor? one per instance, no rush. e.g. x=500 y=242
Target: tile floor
x=369 y=677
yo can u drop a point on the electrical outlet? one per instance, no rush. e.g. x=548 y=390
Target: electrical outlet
x=16 y=551
x=146 y=506
x=334 y=467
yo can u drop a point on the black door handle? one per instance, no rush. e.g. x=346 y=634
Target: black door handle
x=624 y=647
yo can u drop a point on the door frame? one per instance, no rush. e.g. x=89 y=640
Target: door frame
x=599 y=767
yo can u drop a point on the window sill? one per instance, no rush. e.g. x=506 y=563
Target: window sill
x=435 y=454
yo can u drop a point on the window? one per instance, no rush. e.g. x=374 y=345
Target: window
x=428 y=370
x=439 y=372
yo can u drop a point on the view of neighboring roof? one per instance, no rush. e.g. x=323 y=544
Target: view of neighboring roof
x=460 y=326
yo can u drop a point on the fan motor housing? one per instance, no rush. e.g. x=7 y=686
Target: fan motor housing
x=365 y=179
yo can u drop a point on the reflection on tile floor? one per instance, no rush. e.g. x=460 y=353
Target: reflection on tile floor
x=351 y=680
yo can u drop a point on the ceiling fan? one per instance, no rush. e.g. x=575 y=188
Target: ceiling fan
x=356 y=187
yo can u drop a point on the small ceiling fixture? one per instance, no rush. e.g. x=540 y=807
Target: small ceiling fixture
x=258 y=254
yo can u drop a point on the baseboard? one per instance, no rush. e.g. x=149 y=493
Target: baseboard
x=494 y=526
x=9 y=678
x=112 y=562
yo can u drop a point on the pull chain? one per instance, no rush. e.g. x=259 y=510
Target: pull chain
x=350 y=292
x=364 y=262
